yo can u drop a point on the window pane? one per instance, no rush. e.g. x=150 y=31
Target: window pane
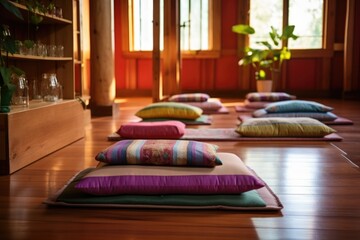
x=185 y=24
x=194 y=20
x=263 y=15
x=143 y=29
x=307 y=16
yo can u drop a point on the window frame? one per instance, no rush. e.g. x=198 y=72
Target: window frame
x=328 y=30
x=214 y=39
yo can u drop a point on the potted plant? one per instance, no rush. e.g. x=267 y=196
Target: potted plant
x=269 y=57
x=8 y=45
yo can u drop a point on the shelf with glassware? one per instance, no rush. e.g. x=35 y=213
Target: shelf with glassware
x=45 y=47
x=28 y=133
x=35 y=57
x=56 y=14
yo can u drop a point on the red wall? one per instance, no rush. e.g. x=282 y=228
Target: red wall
x=222 y=74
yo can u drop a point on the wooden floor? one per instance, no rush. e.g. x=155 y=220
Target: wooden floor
x=317 y=182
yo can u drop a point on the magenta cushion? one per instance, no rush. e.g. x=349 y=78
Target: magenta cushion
x=232 y=177
x=152 y=130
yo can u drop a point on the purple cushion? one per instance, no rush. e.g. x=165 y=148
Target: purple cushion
x=152 y=130
x=232 y=177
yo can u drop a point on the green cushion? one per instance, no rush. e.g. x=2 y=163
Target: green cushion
x=169 y=110
x=283 y=127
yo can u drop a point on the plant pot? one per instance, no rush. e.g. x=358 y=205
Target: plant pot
x=264 y=85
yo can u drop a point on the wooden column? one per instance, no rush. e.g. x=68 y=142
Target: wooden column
x=157 y=93
x=102 y=57
x=349 y=46
x=171 y=70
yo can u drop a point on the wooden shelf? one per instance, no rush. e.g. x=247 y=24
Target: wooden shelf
x=35 y=57
x=30 y=133
x=47 y=17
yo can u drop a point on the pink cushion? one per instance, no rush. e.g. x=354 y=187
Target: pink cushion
x=152 y=130
x=210 y=105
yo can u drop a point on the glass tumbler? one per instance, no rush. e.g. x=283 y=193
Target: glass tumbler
x=50 y=87
x=21 y=95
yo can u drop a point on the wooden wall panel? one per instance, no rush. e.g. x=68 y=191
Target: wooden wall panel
x=300 y=73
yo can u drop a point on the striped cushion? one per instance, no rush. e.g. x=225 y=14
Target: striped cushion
x=268 y=96
x=160 y=152
x=189 y=97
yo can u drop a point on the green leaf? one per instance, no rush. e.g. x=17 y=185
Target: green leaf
x=285 y=54
x=260 y=74
x=243 y=29
x=289 y=33
x=28 y=43
x=17 y=70
x=11 y=8
x=266 y=44
x=6 y=75
x=36 y=19
x=9 y=45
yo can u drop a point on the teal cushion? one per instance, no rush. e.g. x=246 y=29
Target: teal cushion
x=296 y=106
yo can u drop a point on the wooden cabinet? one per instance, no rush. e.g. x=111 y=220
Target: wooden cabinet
x=27 y=134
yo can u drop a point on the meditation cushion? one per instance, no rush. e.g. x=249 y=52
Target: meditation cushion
x=160 y=152
x=321 y=116
x=189 y=97
x=170 y=110
x=152 y=130
x=268 y=96
x=233 y=177
x=210 y=105
x=283 y=127
x=297 y=106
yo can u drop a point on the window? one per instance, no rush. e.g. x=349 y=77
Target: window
x=306 y=15
x=199 y=21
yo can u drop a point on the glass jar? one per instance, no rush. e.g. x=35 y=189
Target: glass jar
x=50 y=87
x=21 y=94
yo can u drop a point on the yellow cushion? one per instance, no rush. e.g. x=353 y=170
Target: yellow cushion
x=170 y=110
x=283 y=127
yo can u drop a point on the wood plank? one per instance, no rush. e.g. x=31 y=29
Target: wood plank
x=313 y=180
x=40 y=131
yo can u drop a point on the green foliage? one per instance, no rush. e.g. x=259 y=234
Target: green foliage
x=11 y=8
x=8 y=46
x=269 y=56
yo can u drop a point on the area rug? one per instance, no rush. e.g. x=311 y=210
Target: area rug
x=262 y=199
x=242 y=108
x=222 y=110
x=337 y=121
x=229 y=134
x=202 y=120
